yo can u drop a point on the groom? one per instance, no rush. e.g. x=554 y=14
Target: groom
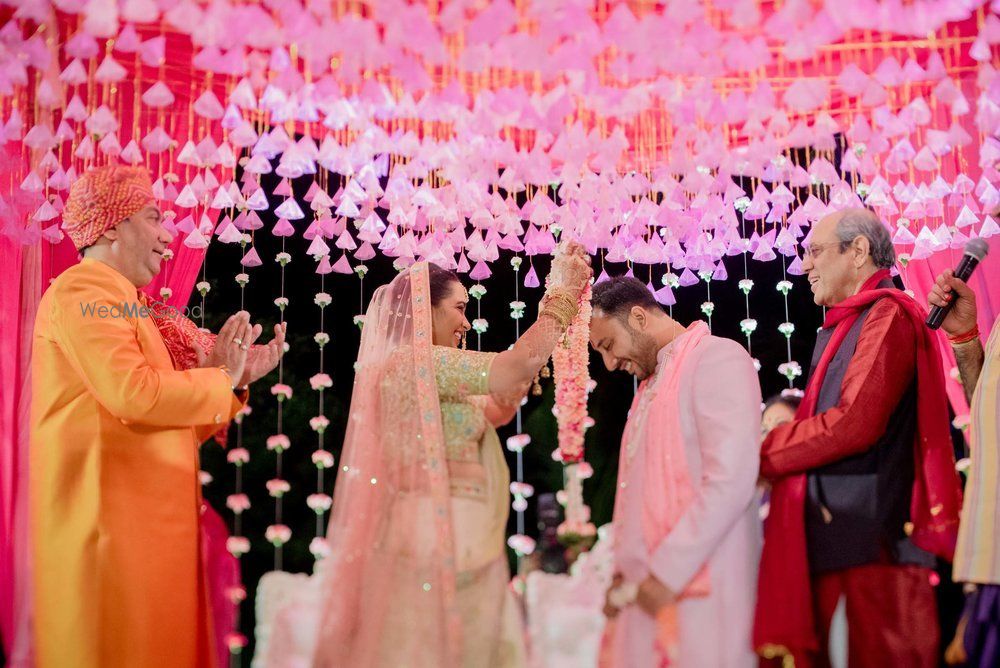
x=686 y=533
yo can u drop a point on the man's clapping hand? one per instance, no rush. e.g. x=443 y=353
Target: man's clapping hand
x=231 y=346
x=263 y=359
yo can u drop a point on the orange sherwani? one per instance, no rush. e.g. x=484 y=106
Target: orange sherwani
x=114 y=486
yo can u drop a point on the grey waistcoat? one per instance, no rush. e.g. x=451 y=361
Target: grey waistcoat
x=857 y=508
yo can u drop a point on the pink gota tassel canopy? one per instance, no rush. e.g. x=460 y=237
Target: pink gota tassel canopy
x=464 y=128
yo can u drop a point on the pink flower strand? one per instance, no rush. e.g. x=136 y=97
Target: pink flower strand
x=278 y=534
x=281 y=391
x=278 y=442
x=323 y=459
x=235 y=642
x=518 y=443
x=236 y=594
x=237 y=545
x=521 y=489
x=570 y=362
x=319 y=547
x=585 y=529
x=521 y=544
x=238 y=503
x=321 y=381
x=277 y=487
x=320 y=503
x=238 y=456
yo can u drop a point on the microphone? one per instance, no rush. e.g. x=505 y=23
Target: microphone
x=975 y=251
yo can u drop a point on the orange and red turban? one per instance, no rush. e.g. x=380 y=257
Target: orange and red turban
x=102 y=198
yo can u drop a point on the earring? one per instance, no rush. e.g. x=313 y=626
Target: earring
x=464 y=340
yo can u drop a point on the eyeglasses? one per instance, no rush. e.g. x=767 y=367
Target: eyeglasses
x=814 y=250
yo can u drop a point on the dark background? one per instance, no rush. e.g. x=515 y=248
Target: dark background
x=608 y=403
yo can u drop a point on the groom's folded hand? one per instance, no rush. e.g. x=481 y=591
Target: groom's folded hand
x=611 y=610
x=653 y=596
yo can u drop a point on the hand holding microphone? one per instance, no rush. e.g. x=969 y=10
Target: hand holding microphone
x=953 y=304
x=953 y=297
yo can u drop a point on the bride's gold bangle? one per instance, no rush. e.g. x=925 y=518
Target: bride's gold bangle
x=561 y=294
x=561 y=306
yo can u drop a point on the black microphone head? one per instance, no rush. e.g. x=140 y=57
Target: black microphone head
x=977 y=248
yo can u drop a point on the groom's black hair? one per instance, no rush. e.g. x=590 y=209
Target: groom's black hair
x=616 y=296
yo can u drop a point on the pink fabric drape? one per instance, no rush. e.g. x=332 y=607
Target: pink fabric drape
x=222 y=571
x=28 y=269
x=19 y=295
x=920 y=276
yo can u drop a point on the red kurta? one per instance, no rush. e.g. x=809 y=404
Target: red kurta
x=879 y=373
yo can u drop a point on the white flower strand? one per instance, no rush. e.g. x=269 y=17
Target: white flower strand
x=748 y=325
x=278 y=534
x=790 y=369
x=519 y=542
x=321 y=458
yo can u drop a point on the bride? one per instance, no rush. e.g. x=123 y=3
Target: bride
x=417 y=572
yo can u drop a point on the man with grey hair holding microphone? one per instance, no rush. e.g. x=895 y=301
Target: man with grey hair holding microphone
x=864 y=491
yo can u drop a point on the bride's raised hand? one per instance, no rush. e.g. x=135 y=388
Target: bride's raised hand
x=574 y=270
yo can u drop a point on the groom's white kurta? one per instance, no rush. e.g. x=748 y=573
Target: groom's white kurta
x=719 y=411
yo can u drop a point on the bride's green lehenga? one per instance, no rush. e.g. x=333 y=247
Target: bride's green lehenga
x=479 y=493
x=417 y=572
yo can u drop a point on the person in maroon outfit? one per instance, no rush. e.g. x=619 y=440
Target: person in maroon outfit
x=864 y=490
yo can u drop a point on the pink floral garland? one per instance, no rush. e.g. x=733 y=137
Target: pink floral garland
x=570 y=362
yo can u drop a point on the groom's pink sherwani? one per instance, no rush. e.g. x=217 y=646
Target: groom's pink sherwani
x=704 y=401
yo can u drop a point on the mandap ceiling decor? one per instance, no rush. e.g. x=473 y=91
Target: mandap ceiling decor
x=650 y=131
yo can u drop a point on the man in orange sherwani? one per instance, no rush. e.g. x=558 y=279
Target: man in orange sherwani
x=115 y=428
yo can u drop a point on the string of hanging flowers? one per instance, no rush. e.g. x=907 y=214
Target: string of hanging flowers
x=570 y=362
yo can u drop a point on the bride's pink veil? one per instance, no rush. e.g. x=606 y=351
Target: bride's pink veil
x=389 y=588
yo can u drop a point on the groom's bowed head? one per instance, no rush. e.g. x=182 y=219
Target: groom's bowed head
x=628 y=327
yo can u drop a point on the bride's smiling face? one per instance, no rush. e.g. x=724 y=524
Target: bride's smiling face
x=448 y=316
